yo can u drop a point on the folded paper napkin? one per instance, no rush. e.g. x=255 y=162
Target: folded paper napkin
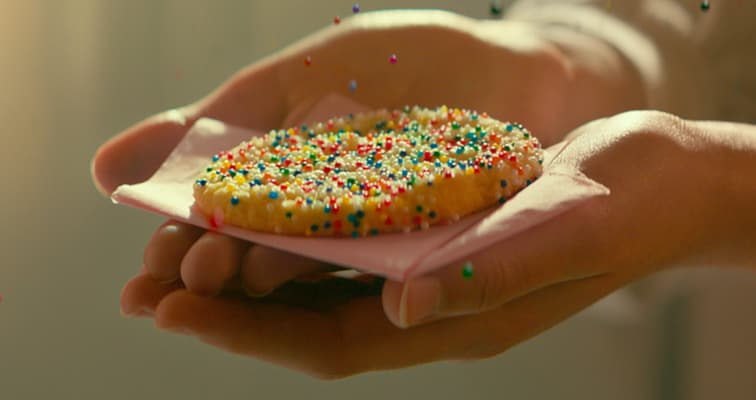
x=398 y=256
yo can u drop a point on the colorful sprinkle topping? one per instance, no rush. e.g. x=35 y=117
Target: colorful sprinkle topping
x=363 y=174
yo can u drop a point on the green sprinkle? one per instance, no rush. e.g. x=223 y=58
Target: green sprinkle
x=419 y=208
x=288 y=214
x=467 y=270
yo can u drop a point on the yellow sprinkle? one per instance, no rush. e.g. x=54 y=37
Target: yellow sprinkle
x=469 y=171
x=355 y=188
x=443 y=159
x=298 y=181
x=230 y=187
x=390 y=125
x=226 y=164
x=239 y=179
x=290 y=131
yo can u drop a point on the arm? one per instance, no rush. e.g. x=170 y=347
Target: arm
x=693 y=63
x=733 y=146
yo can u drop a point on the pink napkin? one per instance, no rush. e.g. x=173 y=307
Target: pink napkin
x=397 y=256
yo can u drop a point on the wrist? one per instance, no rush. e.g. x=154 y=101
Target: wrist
x=728 y=152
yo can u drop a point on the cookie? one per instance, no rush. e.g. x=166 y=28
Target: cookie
x=372 y=173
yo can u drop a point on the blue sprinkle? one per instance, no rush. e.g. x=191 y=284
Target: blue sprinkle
x=201 y=182
x=433 y=145
x=314 y=227
x=460 y=150
x=355 y=234
x=432 y=214
x=374 y=232
x=234 y=200
x=327 y=209
x=308 y=201
x=360 y=214
x=273 y=195
x=509 y=128
x=327 y=225
x=528 y=182
x=502 y=200
x=503 y=183
x=216 y=158
x=243 y=172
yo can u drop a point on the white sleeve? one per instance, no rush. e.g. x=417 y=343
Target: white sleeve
x=697 y=64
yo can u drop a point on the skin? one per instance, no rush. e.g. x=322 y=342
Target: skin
x=214 y=287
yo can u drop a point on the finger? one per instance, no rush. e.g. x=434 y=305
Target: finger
x=567 y=247
x=212 y=261
x=264 y=269
x=166 y=249
x=141 y=295
x=135 y=154
x=358 y=338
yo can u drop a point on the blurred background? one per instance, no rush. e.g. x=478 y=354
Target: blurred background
x=75 y=72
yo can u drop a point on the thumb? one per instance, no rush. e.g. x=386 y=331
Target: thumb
x=559 y=250
x=135 y=154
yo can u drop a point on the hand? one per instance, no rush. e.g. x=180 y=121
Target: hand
x=512 y=70
x=653 y=219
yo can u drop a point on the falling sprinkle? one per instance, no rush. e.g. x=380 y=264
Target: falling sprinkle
x=352 y=85
x=705 y=5
x=496 y=9
x=356 y=8
x=336 y=20
x=393 y=59
x=308 y=61
x=467 y=270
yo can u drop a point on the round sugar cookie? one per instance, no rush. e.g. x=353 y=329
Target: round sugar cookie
x=366 y=174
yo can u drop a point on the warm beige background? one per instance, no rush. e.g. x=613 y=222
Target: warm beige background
x=73 y=73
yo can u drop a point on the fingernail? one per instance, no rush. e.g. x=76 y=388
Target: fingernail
x=421 y=300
